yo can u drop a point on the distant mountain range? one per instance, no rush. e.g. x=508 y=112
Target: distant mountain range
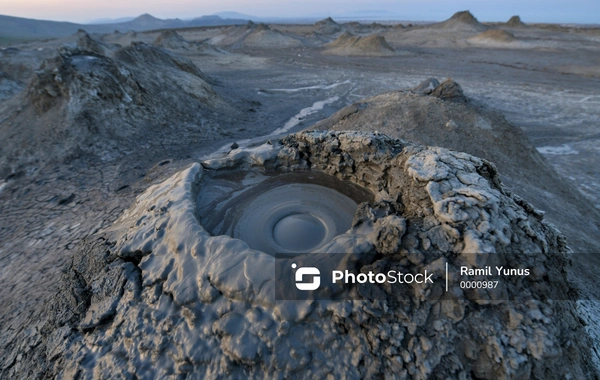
x=110 y=20
x=15 y=28
x=372 y=14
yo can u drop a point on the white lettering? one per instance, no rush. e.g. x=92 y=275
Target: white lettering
x=337 y=275
x=391 y=277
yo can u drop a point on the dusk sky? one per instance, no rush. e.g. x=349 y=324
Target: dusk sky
x=573 y=11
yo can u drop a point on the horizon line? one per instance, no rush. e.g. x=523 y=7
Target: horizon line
x=290 y=18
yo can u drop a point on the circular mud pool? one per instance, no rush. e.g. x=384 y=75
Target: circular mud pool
x=283 y=213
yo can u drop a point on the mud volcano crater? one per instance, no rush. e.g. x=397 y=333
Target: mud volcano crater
x=279 y=212
x=190 y=270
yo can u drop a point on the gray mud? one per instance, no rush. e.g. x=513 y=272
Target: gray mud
x=544 y=82
x=167 y=298
x=278 y=213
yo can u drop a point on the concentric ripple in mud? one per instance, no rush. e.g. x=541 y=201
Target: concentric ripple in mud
x=283 y=213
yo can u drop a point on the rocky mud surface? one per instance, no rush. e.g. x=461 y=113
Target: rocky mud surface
x=90 y=122
x=441 y=115
x=102 y=102
x=156 y=294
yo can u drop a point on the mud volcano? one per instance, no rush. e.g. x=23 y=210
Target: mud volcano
x=286 y=213
x=163 y=293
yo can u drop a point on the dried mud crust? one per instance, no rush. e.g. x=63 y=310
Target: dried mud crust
x=156 y=295
x=42 y=224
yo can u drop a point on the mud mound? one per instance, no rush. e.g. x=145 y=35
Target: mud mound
x=172 y=40
x=350 y=45
x=126 y=39
x=327 y=27
x=359 y=28
x=356 y=27
x=495 y=35
x=461 y=21
x=515 y=22
x=84 y=41
x=319 y=39
x=474 y=129
x=343 y=40
x=172 y=299
x=376 y=25
x=140 y=54
x=464 y=17
x=232 y=36
x=262 y=27
x=264 y=37
x=84 y=102
x=449 y=90
x=254 y=36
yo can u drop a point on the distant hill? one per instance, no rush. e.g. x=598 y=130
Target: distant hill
x=215 y=20
x=266 y=20
x=234 y=15
x=17 y=28
x=365 y=14
x=110 y=20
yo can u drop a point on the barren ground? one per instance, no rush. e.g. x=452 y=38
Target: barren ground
x=546 y=83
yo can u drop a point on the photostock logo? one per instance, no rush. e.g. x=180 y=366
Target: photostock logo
x=307 y=271
x=335 y=276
